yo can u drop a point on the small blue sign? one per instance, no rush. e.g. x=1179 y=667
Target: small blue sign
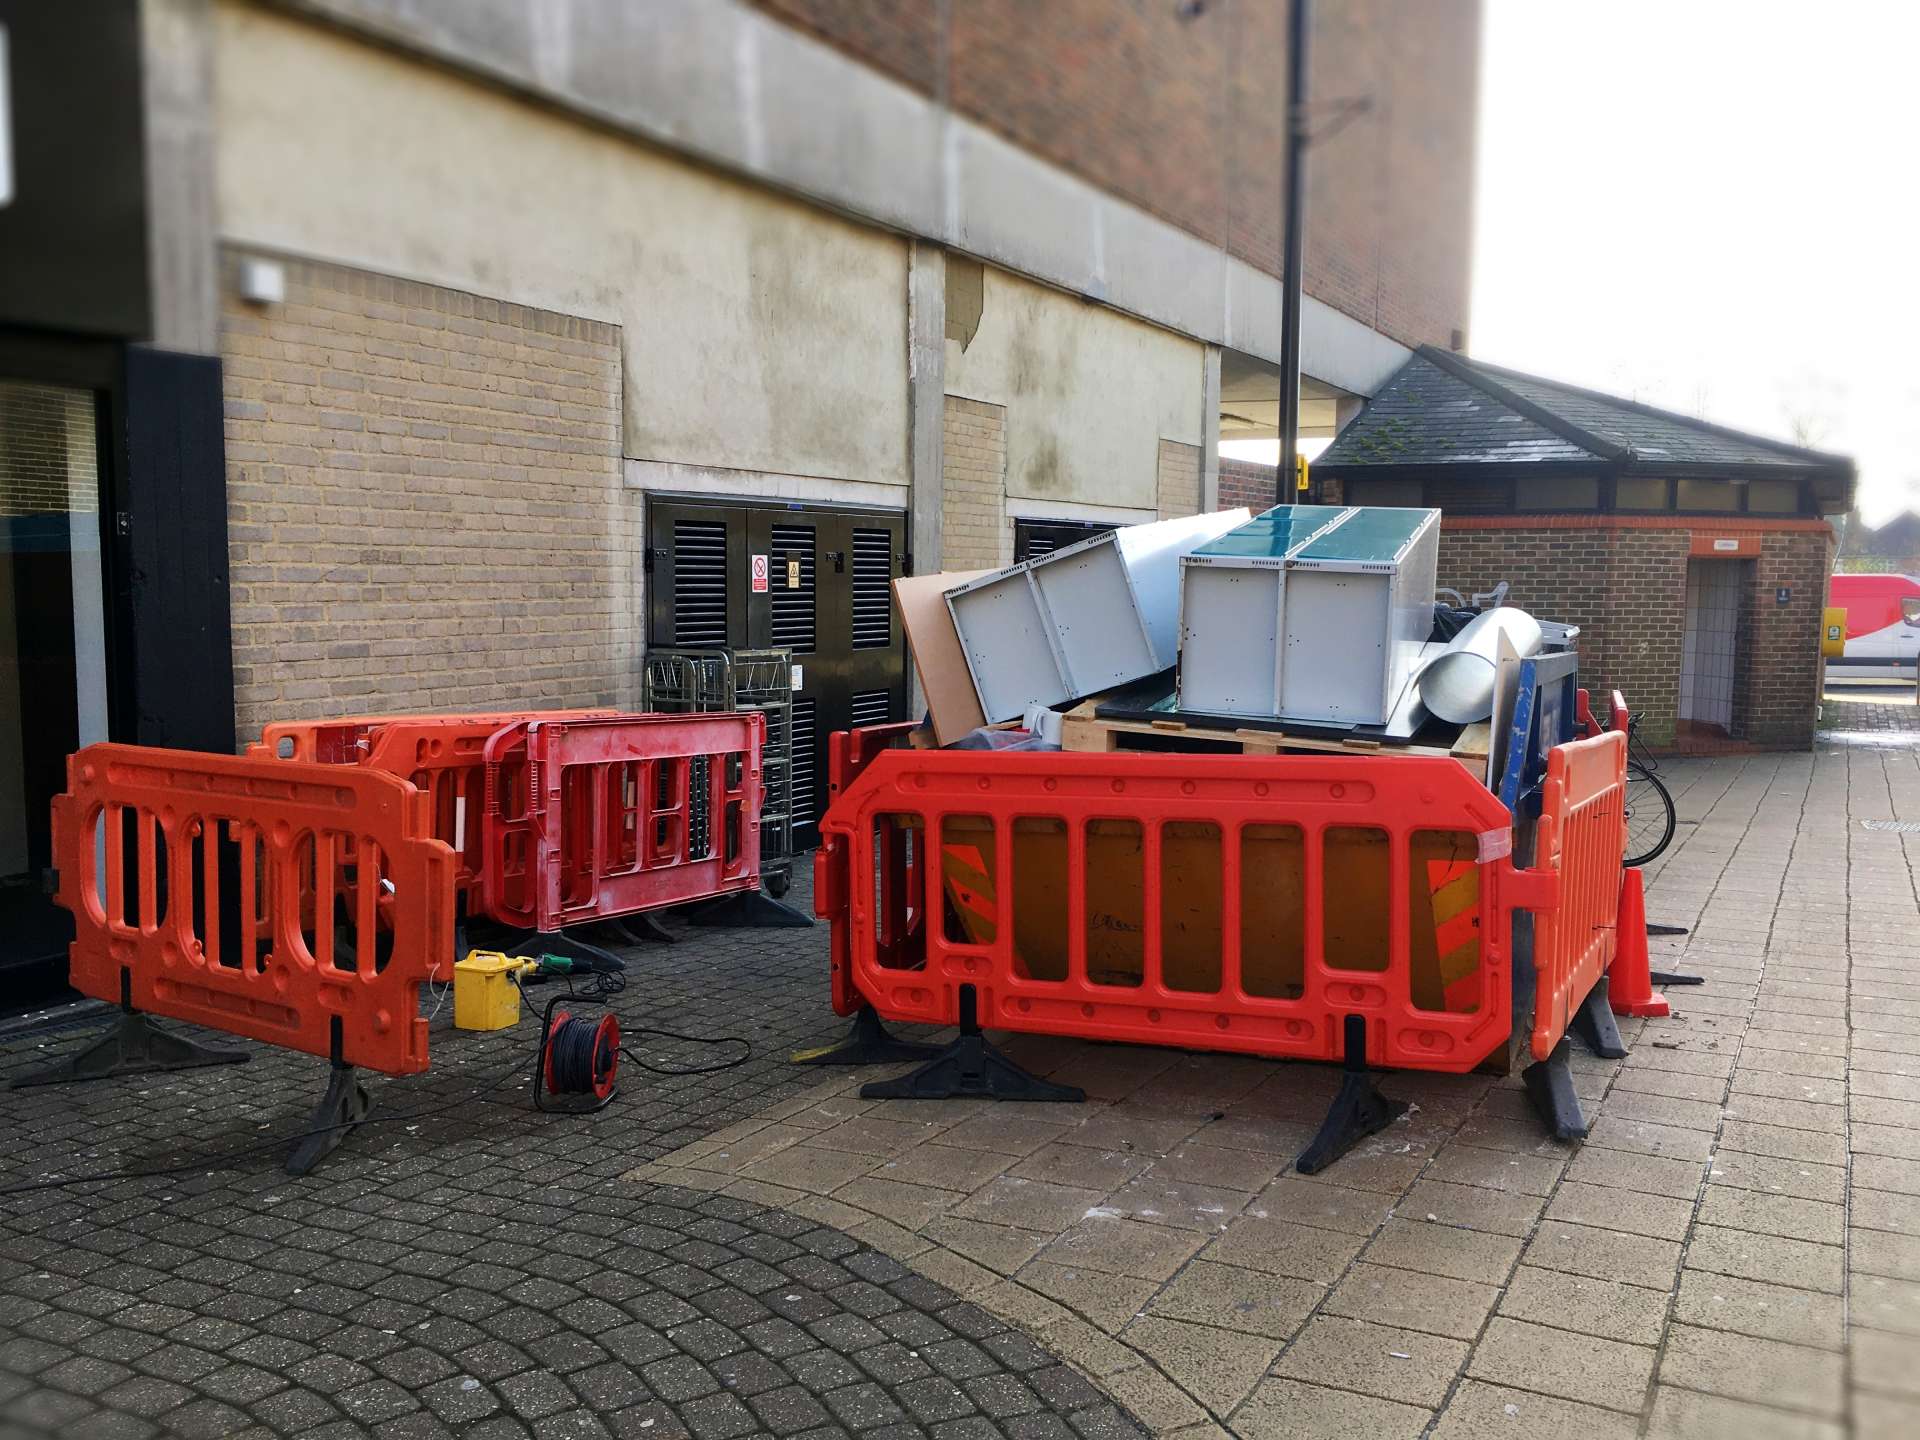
x=1783 y=594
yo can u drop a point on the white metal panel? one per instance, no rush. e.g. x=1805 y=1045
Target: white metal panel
x=1333 y=663
x=1006 y=643
x=1097 y=627
x=1230 y=639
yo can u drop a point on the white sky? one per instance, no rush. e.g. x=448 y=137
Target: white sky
x=1711 y=207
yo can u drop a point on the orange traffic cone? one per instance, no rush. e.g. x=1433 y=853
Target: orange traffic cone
x=1629 y=979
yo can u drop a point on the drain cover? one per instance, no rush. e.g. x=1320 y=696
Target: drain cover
x=1899 y=827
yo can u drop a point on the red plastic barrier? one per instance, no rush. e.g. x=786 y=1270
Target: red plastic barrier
x=1582 y=836
x=614 y=816
x=344 y=902
x=848 y=753
x=348 y=740
x=1244 y=903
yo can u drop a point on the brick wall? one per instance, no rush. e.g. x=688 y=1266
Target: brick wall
x=1244 y=482
x=47 y=464
x=1184 y=118
x=425 y=503
x=1177 y=488
x=1625 y=588
x=974 y=533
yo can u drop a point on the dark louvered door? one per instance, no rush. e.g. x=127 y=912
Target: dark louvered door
x=827 y=597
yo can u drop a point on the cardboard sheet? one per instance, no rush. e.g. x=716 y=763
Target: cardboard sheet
x=937 y=658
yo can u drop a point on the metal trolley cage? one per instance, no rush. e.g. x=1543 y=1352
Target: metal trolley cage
x=685 y=681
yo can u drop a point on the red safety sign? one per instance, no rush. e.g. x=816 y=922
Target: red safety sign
x=759 y=574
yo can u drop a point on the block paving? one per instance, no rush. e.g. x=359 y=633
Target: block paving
x=1731 y=1252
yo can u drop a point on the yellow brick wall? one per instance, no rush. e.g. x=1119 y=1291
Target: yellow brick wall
x=975 y=534
x=425 y=505
x=1178 y=492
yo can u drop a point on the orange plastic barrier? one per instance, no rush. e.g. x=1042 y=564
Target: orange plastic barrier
x=1582 y=836
x=344 y=902
x=848 y=753
x=348 y=740
x=1244 y=903
x=597 y=818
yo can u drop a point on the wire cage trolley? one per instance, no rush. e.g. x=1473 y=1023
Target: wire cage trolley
x=682 y=681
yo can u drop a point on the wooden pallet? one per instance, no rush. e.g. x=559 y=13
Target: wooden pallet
x=1083 y=730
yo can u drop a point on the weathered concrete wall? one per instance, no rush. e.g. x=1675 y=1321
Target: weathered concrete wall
x=759 y=333
x=1089 y=393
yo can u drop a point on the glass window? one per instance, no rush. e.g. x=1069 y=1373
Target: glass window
x=1577 y=492
x=1640 y=493
x=1774 y=497
x=1708 y=495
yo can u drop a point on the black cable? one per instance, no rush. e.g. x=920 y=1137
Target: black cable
x=714 y=1069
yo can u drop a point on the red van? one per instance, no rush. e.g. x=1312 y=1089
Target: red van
x=1883 y=626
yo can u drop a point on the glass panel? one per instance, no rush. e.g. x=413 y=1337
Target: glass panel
x=53 y=672
x=1116 y=902
x=1443 y=920
x=1273 y=911
x=1707 y=495
x=968 y=870
x=1356 y=897
x=1640 y=493
x=1190 y=906
x=1773 y=497
x=1580 y=492
x=1039 y=879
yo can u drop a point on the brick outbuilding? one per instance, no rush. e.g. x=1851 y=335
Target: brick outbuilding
x=1693 y=558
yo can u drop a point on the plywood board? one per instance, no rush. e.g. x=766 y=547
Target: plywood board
x=937 y=658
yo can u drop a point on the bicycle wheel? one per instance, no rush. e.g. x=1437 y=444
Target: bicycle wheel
x=1649 y=815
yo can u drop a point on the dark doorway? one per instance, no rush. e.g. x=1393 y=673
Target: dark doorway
x=813 y=580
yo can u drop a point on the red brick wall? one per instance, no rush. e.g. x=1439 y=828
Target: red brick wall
x=1245 y=482
x=1184 y=118
x=1625 y=587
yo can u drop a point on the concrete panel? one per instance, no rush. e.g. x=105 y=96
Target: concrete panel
x=1089 y=393
x=760 y=333
x=739 y=90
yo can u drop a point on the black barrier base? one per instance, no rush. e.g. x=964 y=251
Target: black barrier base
x=134 y=1046
x=642 y=929
x=750 y=910
x=1674 y=977
x=568 y=946
x=340 y=1110
x=1358 y=1110
x=1550 y=1087
x=969 y=1066
x=867 y=1043
x=1593 y=1023
x=1653 y=929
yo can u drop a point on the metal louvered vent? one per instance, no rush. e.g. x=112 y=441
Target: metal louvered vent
x=803 y=786
x=700 y=582
x=792 y=605
x=872 y=580
x=872 y=707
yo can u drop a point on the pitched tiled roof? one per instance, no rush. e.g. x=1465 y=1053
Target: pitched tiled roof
x=1441 y=409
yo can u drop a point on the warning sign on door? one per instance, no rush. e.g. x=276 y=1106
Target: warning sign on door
x=759 y=574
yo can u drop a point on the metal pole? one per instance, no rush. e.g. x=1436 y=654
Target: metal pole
x=1294 y=243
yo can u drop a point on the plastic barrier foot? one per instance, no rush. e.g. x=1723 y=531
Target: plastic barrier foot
x=1674 y=977
x=1653 y=929
x=970 y=1066
x=867 y=1043
x=340 y=1110
x=1359 y=1110
x=1593 y=1023
x=571 y=947
x=750 y=910
x=642 y=929
x=1550 y=1087
x=134 y=1046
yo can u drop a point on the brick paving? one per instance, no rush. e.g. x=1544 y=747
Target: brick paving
x=1732 y=1252
x=1870 y=709
x=481 y=1272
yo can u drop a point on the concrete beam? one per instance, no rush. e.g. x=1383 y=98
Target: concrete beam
x=926 y=399
x=1210 y=430
x=176 y=65
x=722 y=82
